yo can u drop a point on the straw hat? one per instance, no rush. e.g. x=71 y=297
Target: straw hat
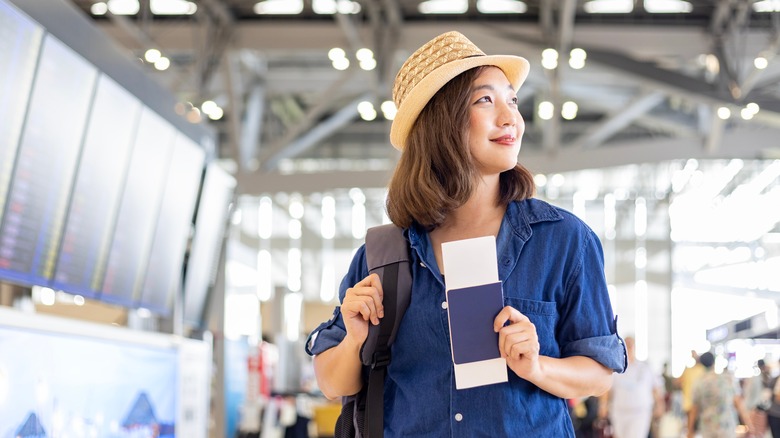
x=433 y=65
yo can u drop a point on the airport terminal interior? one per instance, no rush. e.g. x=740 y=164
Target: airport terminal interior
x=184 y=183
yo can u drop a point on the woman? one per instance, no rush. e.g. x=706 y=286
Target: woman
x=459 y=131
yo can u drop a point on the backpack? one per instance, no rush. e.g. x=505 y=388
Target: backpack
x=387 y=254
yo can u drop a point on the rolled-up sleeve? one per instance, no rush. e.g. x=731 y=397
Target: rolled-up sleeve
x=331 y=332
x=607 y=350
x=327 y=335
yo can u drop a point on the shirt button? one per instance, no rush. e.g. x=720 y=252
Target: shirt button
x=444 y=305
x=422 y=264
x=458 y=417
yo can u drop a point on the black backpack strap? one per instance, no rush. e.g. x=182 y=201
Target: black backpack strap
x=387 y=254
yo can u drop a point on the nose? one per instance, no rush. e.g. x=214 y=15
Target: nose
x=508 y=115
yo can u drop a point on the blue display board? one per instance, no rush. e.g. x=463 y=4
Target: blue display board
x=165 y=271
x=94 y=204
x=139 y=206
x=66 y=385
x=43 y=174
x=210 y=226
x=20 y=41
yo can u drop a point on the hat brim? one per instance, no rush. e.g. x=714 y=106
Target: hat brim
x=514 y=67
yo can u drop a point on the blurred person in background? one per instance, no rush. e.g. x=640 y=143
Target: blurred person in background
x=758 y=397
x=584 y=414
x=773 y=414
x=629 y=405
x=686 y=381
x=716 y=404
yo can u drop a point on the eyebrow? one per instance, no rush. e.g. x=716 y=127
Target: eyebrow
x=489 y=87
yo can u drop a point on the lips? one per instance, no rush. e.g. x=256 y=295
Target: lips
x=504 y=139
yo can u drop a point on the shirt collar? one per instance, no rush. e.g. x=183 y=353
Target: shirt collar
x=514 y=232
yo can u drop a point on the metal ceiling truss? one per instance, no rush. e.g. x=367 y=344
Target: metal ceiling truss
x=638 y=80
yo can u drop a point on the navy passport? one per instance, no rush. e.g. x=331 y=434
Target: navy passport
x=471 y=312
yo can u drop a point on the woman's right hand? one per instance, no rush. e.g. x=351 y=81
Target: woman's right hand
x=362 y=304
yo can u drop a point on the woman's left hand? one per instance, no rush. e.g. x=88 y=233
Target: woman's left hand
x=518 y=342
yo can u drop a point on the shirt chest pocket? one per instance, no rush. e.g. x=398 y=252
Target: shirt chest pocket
x=544 y=316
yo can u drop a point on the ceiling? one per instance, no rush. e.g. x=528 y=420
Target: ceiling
x=648 y=100
x=647 y=92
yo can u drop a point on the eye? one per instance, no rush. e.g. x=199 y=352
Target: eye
x=515 y=100
x=484 y=99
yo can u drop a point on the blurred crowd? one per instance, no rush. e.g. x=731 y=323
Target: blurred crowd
x=703 y=402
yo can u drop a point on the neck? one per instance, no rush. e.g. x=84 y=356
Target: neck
x=480 y=215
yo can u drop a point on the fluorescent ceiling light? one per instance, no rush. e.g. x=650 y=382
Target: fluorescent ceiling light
x=501 y=7
x=123 y=7
x=667 y=7
x=99 y=8
x=609 y=6
x=330 y=7
x=172 y=7
x=279 y=7
x=443 y=7
x=767 y=6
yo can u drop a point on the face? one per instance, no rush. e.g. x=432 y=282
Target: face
x=496 y=126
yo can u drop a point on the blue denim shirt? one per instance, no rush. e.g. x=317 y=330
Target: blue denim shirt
x=551 y=265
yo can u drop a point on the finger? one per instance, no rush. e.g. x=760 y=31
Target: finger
x=518 y=332
x=508 y=315
x=372 y=281
x=362 y=305
x=519 y=350
x=507 y=338
x=369 y=288
x=516 y=343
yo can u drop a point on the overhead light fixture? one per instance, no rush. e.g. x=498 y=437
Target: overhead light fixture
x=577 y=58
x=212 y=110
x=667 y=6
x=162 y=63
x=152 y=55
x=338 y=57
x=749 y=111
x=330 y=7
x=443 y=7
x=366 y=59
x=99 y=8
x=550 y=59
x=388 y=109
x=501 y=7
x=366 y=111
x=545 y=110
x=279 y=7
x=569 y=110
x=123 y=7
x=609 y=6
x=172 y=7
x=767 y=6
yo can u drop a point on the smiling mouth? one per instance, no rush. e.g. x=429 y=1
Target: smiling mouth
x=504 y=139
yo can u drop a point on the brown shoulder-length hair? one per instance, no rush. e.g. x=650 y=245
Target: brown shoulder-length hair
x=436 y=173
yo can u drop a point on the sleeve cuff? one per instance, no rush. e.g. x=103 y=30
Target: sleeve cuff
x=609 y=351
x=327 y=335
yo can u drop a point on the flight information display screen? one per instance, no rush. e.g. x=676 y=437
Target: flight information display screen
x=163 y=277
x=210 y=225
x=20 y=41
x=46 y=162
x=94 y=204
x=138 y=210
